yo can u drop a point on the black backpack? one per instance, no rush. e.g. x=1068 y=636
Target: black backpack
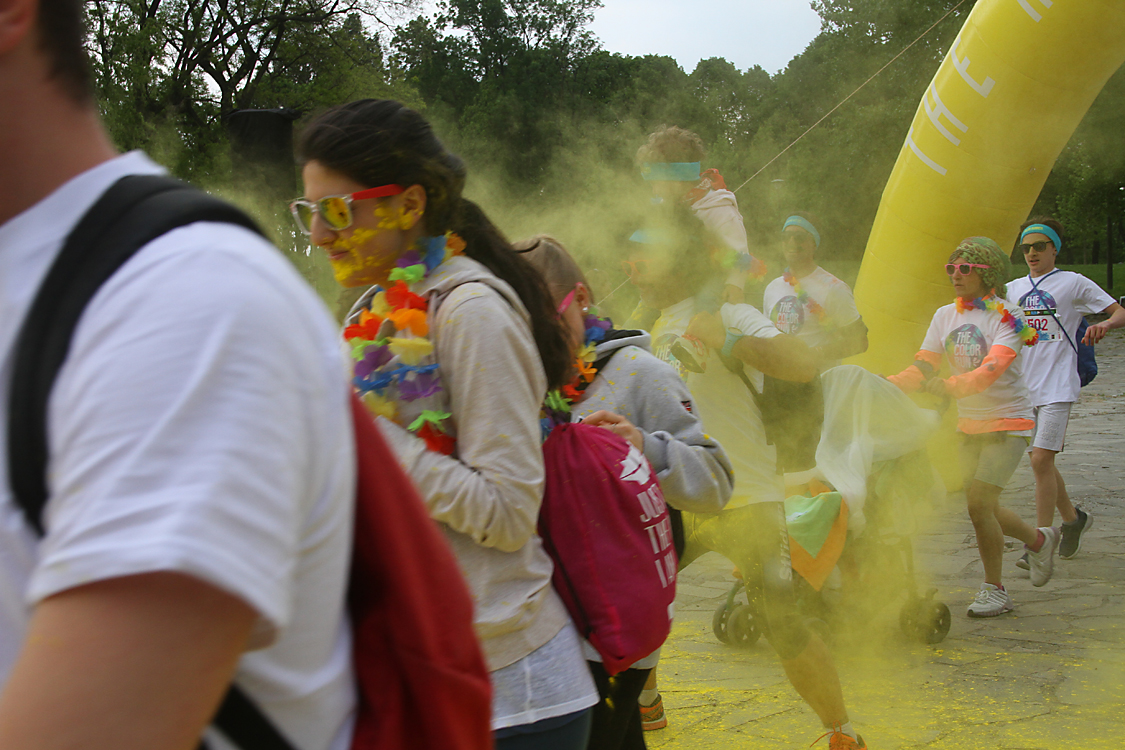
x=134 y=211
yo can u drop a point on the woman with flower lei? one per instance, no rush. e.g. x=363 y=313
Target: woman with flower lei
x=982 y=338
x=453 y=349
x=620 y=385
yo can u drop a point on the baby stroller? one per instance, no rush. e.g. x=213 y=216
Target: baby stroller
x=871 y=481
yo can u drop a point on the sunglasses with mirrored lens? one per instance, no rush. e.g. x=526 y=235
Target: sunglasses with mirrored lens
x=1038 y=247
x=964 y=268
x=335 y=210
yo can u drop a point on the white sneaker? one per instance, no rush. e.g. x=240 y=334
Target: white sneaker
x=1043 y=561
x=990 y=601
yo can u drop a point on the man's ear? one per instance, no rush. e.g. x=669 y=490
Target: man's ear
x=17 y=19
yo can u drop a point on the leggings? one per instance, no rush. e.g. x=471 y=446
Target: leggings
x=617 y=717
x=568 y=732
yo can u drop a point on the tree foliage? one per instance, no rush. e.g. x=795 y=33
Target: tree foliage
x=550 y=121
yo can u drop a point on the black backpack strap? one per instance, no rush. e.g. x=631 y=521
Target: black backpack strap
x=133 y=212
x=136 y=210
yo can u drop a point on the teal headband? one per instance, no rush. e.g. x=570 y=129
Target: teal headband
x=647 y=237
x=1043 y=229
x=803 y=223
x=670 y=171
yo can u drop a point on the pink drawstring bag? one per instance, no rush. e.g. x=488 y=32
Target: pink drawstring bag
x=605 y=525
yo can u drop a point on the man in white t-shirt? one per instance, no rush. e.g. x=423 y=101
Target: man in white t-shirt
x=811 y=303
x=1054 y=301
x=709 y=350
x=202 y=465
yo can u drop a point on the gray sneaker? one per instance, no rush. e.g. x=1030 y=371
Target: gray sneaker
x=1072 y=534
x=1043 y=561
x=990 y=601
x=1022 y=563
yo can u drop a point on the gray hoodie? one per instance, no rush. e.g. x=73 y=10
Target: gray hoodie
x=692 y=468
x=486 y=496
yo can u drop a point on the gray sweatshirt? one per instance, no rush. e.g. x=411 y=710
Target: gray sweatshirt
x=486 y=496
x=692 y=468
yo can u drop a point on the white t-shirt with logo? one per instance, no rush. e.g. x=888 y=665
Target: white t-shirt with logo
x=790 y=316
x=965 y=339
x=200 y=425
x=723 y=402
x=1051 y=366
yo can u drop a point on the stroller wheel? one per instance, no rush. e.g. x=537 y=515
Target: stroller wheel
x=720 y=622
x=934 y=623
x=742 y=626
x=925 y=620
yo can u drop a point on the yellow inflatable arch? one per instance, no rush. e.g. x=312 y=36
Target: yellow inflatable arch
x=1005 y=101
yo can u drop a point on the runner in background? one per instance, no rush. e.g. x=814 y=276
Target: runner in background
x=811 y=303
x=671 y=161
x=718 y=350
x=1054 y=302
x=982 y=341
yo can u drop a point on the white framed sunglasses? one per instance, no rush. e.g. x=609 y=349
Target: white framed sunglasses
x=336 y=210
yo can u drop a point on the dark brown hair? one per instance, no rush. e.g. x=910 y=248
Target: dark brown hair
x=61 y=29
x=380 y=142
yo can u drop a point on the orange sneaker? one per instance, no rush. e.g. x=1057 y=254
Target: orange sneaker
x=652 y=717
x=837 y=740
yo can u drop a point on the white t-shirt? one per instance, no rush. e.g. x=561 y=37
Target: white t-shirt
x=723 y=402
x=790 y=316
x=200 y=425
x=965 y=339
x=1051 y=366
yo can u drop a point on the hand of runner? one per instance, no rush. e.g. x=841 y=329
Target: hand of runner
x=1095 y=333
x=618 y=425
x=709 y=329
x=936 y=387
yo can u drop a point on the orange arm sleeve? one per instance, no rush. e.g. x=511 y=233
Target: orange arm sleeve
x=976 y=381
x=911 y=379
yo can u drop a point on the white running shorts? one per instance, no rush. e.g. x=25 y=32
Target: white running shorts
x=1050 y=426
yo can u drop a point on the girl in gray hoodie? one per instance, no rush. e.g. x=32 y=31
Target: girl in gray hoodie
x=454 y=349
x=644 y=400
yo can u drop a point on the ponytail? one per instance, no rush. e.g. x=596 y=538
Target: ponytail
x=485 y=244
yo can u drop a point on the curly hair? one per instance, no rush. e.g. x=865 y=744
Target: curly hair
x=986 y=252
x=671 y=144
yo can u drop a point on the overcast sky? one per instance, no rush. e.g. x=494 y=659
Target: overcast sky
x=745 y=32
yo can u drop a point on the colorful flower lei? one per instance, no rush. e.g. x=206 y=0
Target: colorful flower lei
x=804 y=299
x=556 y=407
x=384 y=356
x=1028 y=335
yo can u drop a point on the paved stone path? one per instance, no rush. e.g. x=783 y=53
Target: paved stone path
x=1049 y=676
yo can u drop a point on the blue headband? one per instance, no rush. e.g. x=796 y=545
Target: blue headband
x=1043 y=229
x=803 y=223
x=670 y=171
